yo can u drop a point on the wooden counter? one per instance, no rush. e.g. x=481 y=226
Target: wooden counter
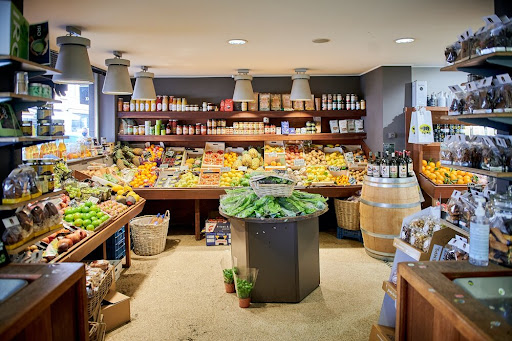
x=53 y=306
x=431 y=307
x=197 y=194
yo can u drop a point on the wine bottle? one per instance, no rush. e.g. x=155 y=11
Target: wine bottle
x=410 y=168
x=384 y=167
x=402 y=166
x=376 y=166
x=393 y=166
x=369 y=168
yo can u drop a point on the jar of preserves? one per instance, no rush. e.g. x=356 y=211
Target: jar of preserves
x=153 y=105
x=184 y=128
x=203 y=129
x=198 y=128
x=165 y=103
x=208 y=131
x=191 y=129
x=179 y=130
x=141 y=130
x=129 y=129
x=174 y=127
x=26 y=128
x=137 y=105
x=119 y=104
x=235 y=125
x=132 y=105
x=158 y=103
x=219 y=130
x=135 y=130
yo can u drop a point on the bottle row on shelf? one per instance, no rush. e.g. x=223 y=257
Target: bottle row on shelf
x=262 y=102
x=391 y=165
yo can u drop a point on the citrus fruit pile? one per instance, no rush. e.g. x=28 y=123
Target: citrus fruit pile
x=87 y=215
x=229 y=159
x=146 y=175
x=234 y=178
x=442 y=175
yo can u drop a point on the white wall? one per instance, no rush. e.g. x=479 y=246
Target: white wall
x=436 y=80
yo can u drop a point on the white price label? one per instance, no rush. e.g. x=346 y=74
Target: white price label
x=272 y=154
x=299 y=162
x=242 y=168
x=349 y=157
x=334 y=168
x=184 y=168
x=164 y=165
x=94 y=200
x=225 y=169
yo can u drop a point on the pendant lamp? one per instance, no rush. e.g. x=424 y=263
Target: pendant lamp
x=243 y=87
x=300 y=86
x=144 y=87
x=117 y=81
x=73 y=60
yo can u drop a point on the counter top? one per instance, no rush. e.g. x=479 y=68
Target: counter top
x=461 y=313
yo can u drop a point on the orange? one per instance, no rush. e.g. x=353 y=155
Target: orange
x=424 y=162
x=438 y=164
x=460 y=182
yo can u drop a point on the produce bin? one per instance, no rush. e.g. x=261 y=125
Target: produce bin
x=286 y=252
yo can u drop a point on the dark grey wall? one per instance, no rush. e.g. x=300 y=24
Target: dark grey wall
x=106 y=116
x=372 y=88
x=394 y=80
x=215 y=89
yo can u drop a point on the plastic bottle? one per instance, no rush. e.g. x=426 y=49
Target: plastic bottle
x=479 y=236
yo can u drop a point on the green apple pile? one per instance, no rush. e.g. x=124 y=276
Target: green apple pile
x=87 y=215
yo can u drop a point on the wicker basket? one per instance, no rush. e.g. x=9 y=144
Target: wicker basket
x=275 y=190
x=347 y=214
x=94 y=303
x=149 y=240
x=97 y=330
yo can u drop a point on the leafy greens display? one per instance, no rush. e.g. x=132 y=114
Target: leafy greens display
x=244 y=203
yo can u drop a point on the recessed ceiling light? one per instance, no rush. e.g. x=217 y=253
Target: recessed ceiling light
x=237 y=41
x=404 y=40
x=321 y=40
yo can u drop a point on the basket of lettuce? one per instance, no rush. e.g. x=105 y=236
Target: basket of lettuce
x=245 y=203
x=272 y=185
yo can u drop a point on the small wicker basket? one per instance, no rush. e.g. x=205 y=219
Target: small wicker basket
x=347 y=214
x=149 y=239
x=94 y=302
x=275 y=190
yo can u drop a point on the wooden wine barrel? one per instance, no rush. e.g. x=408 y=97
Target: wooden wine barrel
x=384 y=204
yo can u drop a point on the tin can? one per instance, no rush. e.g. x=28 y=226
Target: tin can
x=132 y=105
x=198 y=128
x=329 y=102
x=203 y=129
x=120 y=104
x=141 y=130
x=272 y=129
x=158 y=103
x=165 y=103
x=179 y=130
x=343 y=104
x=126 y=106
x=184 y=129
x=137 y=105
x=191 y=129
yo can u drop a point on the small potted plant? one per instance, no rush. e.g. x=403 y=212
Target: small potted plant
x=229 y=283
x=244 y=282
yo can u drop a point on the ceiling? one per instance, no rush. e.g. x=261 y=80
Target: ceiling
x=189 y=38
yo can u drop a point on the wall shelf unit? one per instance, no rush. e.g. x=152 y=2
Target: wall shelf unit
x=486 y=65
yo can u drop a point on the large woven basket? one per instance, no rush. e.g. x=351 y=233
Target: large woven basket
x=149 y=239
x=97 y=330
x=275 y=190
x=347 y=214
x=94 y=303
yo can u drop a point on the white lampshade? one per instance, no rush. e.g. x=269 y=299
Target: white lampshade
x=300 y=86
x=117 y=81
x=73 y=61
x=243 y=87
x=144 y=87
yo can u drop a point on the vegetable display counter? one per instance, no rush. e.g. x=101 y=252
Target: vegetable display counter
x=198 y=193
x=286 y=252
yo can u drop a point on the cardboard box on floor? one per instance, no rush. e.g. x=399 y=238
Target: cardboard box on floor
x=382 y=333
x=115 y=309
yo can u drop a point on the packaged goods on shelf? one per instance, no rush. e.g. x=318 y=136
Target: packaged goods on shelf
x=217 y=232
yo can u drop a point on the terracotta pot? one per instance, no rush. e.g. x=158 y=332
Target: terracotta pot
x=244 y=302
x=230 y=287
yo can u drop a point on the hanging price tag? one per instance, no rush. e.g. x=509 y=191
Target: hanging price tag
x=299 y=162
x=225 y=169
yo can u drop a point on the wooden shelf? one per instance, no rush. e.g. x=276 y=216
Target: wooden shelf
x=23 y=203
x=233 y=138
x=390 y=289
x=501 y=175
x=7 y=96
x=32 y=242
x=486 y=65
x=215 y=193
x=438 y=191
x=457 y=229
x=501 y=121
x=437 y=109
x=190 y=115
x=27 y=65
x=29 y=140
